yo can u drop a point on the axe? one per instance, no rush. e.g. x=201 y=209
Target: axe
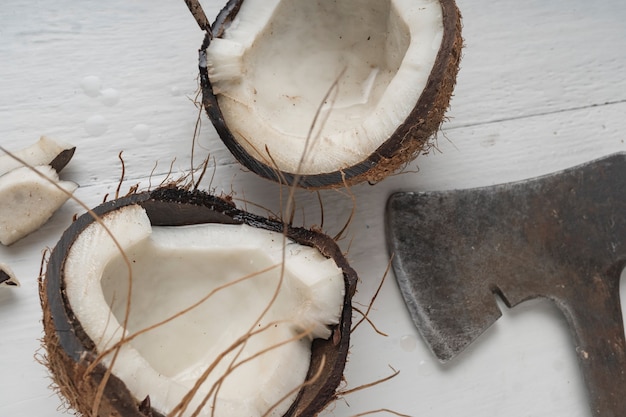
x=560 y=236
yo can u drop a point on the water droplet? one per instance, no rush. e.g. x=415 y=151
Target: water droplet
x=408 y=342
x=175 y=91
x=91 y=85
x=425 y=368
x=141 y=132
x=96 y=125
x=110 y=96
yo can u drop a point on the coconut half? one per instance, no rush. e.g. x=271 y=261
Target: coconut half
x=329 y=93
x=204 y=275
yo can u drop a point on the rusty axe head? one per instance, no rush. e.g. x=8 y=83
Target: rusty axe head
x=561 y=236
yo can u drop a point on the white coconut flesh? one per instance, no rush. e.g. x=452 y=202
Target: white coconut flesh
x=41 y=152
x=28 y=198
x=175 y=267
x=279 y=58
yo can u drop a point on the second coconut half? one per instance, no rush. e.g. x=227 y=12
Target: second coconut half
x=331 y=93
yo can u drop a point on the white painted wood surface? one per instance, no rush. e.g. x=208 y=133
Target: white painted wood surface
x=542 y=87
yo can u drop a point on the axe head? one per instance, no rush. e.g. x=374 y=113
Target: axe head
x=561 y=236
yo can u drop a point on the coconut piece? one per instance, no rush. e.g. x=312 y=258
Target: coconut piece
x=380 y=73
x=29 y=198
x=45 y=151
x=181 y=245
x=7 y=277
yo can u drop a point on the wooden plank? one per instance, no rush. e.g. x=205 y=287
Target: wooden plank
x=541 y=89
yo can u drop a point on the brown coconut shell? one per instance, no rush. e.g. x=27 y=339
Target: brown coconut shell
x=62 y=159
x=69 y=351
x=408 y=140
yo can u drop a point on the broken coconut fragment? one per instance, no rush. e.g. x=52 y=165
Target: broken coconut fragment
x=380 y=72
x=7 y=277
x=45 y=151
x=205 y=277
x=28 y=199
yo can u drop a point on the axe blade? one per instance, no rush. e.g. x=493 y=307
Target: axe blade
x=561 y=236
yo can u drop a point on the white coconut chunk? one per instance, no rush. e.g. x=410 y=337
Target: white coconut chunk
x=41 y=152
x=380 y=52
x=7 y=277
x=175 y=267
x=28 y=200
x=230 y=56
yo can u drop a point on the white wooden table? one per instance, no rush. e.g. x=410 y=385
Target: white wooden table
x=542 y=87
